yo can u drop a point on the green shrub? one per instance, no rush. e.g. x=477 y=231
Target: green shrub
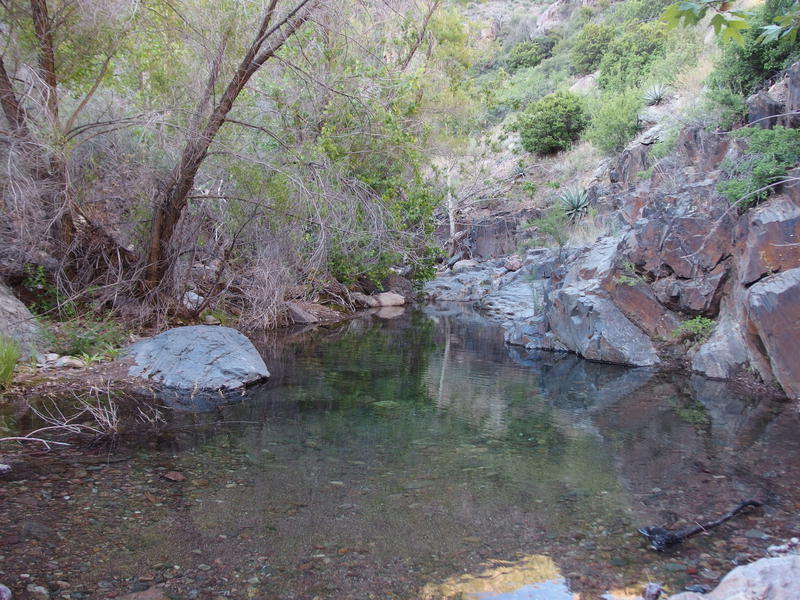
x=552 y=124
x=554 y=223
x=9 y=355
x=628 y=58
x=590 y=45
x=86 y=337
x=696 y=329
x=636 y=11
x=741 y=69
x=529 y=54
x=614 y=119
x=770 y=152
x=729 y=107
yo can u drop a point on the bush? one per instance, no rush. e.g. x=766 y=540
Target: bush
x=628 y=58
x=614 y=119
x=528 y=54
x=770 y=152
x=552 y=124
x=554 y=223
x=590 y=45
x=696 y=329
x=655 y=94
x=9 y=355
x=740 y=69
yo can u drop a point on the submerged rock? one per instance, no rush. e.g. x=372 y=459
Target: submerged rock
x=200 y=357
x=765 y=579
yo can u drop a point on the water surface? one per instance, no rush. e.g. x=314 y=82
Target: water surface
x=418 y=457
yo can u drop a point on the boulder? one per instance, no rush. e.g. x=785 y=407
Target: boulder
x=17 y=323
x=791 y=117
x=724 y=354
x=763 y=111
x=596 y=329
x=698 y=296
x=390 y=299
x=772 y=240
x=363 y=300
x=774 y=310
x=765 y=579
x=513 y=263
x=200 y=357
x=299 y=315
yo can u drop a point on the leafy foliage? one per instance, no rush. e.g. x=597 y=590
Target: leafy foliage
x=742 y=67
x=9 y=355
x=697 y=329
x=552 y=124
x=770 y=152
x=554 y=223
x=614 y=119
x=589 y=47
x=529 y=53
x=628 y=58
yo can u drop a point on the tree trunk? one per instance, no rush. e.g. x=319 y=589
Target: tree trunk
x=171 y=201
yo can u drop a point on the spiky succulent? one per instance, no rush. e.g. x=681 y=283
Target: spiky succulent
x=655 y=94
x=575 y=202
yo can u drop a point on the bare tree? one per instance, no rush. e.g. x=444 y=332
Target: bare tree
x=172 y=199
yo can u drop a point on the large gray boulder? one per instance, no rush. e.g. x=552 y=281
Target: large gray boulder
x=765 y=579
x=199 y=357
x=18 y=323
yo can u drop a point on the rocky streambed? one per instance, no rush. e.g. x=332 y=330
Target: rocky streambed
x=411 y=457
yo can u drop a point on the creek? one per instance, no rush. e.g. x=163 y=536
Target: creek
x=417 y=457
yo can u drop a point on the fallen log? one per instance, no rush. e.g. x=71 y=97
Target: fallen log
x=660 y=539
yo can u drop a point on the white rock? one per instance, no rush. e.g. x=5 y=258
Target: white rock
x=390 y=299
x=69 y=362
x=765 y=579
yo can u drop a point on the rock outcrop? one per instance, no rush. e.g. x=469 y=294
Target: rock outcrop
x=17 y=323
x=199 y=357
x=681 y=252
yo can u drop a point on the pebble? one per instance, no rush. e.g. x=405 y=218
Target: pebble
x=755 y=534
x=5 y=593
x=674 y=567
x=37 y=592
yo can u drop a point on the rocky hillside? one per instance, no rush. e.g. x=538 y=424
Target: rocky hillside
x=685 y=275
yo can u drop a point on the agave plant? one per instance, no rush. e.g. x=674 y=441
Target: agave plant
x=655 y=94
x=575 y=202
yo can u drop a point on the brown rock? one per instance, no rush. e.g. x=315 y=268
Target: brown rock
x=698 y=296
x=152 y=593
x=774 y=310
x=772 y=241
x=174 y=476
x=299 y=315
x=763 y=111
x=792 y=97
x=513 y=263
x=640 y=306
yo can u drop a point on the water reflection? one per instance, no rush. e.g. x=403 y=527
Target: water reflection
x=417 y=456
x=534 y=577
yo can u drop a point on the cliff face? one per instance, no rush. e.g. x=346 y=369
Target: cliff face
x=682 y=253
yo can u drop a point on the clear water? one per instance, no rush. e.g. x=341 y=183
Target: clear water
x=418 y=457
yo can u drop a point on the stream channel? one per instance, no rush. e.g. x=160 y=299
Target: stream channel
x=416 y=457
